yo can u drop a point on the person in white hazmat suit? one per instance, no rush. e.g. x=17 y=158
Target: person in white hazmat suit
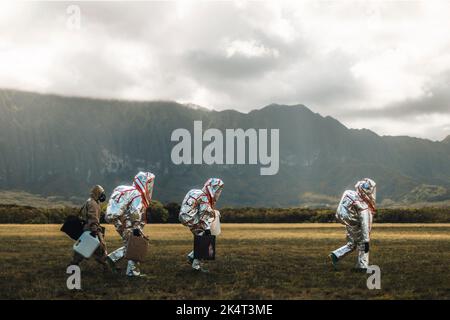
x=127 y=211
x=355 y=211
x=197 y=212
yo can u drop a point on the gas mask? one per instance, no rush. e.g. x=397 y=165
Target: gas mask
x=102 y=197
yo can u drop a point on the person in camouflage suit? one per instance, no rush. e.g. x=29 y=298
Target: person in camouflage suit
x=91 y=212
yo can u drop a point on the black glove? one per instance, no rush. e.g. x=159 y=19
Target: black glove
x=207 y=232
x=94 y=227
x=366 y=247
x=136 y=232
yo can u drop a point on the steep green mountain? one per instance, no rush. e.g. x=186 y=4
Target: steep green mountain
x=60 y=146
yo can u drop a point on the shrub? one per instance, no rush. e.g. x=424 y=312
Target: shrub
x=173 y=209
x=156 y=213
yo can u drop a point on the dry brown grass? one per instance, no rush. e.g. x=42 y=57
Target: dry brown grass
x=255 y=261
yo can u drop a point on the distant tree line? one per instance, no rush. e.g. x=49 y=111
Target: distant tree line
x=307 y=215
x=168 y=213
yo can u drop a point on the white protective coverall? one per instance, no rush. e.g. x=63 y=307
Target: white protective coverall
x=197 y=211
x=126 y=210
x=355 y=211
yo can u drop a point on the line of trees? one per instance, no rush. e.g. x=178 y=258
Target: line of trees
x=168 y=213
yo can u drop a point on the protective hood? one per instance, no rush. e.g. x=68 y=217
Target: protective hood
x=98 y=193
x=367 y=190
x=213 y=188
x=143 y=182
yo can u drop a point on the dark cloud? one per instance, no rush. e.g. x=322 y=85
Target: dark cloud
x=435 y=100
x=237 y=66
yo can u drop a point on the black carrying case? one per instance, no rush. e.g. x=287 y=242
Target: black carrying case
x=205 y=247
x=73 y=227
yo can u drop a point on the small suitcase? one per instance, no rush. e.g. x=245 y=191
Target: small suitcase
x=137 y=248
x=73 y=227
x=86 y=244
x=205 y=247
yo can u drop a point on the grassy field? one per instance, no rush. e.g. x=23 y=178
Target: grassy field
x=254 y=261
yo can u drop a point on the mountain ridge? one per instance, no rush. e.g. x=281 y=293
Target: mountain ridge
x=60 y=146
x=446 y=140
x=189 y=105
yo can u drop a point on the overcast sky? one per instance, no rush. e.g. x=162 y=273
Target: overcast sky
x=384 y=66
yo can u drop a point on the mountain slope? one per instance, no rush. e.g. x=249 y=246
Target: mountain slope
x=55 y=145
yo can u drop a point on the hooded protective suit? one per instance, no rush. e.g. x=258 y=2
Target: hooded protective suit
x=92 y=208
x=197 y=211
x=126 y=210
x=355 y=211
x=91 y=214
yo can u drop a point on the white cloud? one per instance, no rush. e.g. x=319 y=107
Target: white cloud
x=389 y=77
x=249 y=49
